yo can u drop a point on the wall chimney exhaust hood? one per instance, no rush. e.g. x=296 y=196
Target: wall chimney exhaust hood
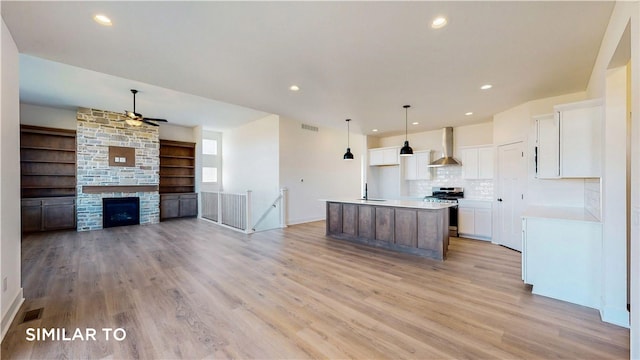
x=447 y=150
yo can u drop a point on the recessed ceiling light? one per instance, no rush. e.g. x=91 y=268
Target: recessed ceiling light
x=468 y=113
x=294 y=88
x=439 y=22
x=415 y=123
x=375 y=130
x=486 y=87
x=102 y=20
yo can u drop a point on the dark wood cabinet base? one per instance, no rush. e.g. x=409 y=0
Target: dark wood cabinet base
x=422 y=232
x=44 y=214
x=178 y=205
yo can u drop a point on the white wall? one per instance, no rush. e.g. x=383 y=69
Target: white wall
x=177 y=133
x=47 y=116
x=312 y=168
x=614 y=244
x=251 y=162
x=11 y=298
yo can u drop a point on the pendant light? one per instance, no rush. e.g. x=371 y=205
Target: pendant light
x=406 y=149
x=348 y=155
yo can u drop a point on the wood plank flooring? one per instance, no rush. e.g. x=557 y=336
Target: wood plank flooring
x=190 y=289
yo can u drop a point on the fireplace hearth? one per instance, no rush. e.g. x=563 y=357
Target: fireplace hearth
x=120 y=211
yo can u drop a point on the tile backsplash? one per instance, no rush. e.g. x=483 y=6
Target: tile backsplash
x=451 y=176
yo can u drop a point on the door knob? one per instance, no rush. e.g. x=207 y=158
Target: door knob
x=499 y=199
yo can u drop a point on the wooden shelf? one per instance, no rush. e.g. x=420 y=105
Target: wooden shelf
x=47 y=187
x=46 y=148
x=48 y=131
x=48 y=161
x=178 y=166
x=178 y=157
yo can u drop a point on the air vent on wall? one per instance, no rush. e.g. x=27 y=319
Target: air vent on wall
x=309 y=127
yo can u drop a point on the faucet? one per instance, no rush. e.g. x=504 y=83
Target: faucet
x=366 y=192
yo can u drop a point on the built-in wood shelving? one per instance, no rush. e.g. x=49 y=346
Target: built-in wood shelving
x=47 y=162
x=177 y=180
x=48 y=178
x=177 y=167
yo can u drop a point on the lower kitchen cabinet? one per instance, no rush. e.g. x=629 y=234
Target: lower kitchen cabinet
x=561 y=256
x=44 y=214
x=178 y=205
x=475 y=219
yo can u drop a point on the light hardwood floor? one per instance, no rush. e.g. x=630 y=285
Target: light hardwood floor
x=190 y=289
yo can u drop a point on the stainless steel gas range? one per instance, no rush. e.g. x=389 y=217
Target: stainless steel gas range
x=448 y=195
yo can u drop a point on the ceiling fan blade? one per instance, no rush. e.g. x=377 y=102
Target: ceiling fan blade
x=153 y=119
x=146 y=121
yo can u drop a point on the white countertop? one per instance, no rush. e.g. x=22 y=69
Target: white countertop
x=395 y=203
x=560 y=213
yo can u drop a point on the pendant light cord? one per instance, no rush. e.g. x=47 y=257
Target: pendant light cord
x=406 y=122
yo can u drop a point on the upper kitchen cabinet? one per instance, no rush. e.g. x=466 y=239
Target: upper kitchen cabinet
x=569 y=143
x=416 y=167
x=477 y=162
x=384 y=156
x=547 y=151
x=580 y=139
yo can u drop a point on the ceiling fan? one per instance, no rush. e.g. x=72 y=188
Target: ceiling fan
x=136 y=119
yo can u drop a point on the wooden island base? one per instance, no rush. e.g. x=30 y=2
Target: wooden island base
x=409 y=226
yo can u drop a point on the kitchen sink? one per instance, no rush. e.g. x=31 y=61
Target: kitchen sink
x=372 y=199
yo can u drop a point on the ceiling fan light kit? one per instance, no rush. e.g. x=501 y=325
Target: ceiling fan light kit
x=136 y=119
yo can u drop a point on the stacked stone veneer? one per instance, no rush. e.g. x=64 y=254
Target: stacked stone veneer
x=96 y=131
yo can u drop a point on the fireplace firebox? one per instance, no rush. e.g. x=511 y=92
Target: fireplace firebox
x=120 y=211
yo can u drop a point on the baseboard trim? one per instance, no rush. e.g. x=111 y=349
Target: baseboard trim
x=303 y=221
x=13 y=311
x=615 y=316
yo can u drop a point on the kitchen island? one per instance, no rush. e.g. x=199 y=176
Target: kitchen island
x=415 y=227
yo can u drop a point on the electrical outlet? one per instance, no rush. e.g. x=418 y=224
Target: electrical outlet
x=4 y=284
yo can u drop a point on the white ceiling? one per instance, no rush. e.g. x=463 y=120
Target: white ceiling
x=359 y=60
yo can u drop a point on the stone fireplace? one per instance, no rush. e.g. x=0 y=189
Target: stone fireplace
x=98 y=131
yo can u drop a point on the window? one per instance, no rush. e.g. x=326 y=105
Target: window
x=209 y=174
x=209 y=147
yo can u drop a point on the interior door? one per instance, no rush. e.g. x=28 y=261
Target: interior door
x=510 y=195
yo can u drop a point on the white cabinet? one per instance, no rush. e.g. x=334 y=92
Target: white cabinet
x=561 y=258
x=384 y=156
x=477 y=162
x=569 y=142
x=416 y=167
x=474 y=219
x=547 y=152
x=580 y=141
